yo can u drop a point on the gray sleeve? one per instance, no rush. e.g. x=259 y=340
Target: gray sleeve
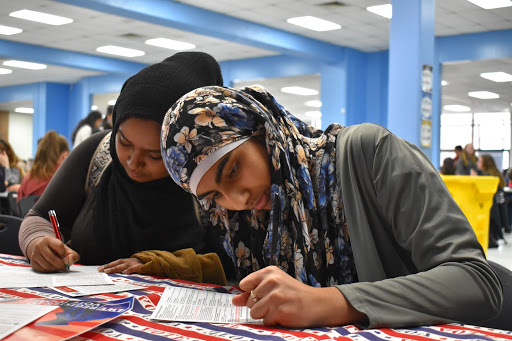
x=448 y=277
x=65 y=194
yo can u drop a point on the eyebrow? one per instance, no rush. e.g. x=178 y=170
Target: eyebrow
x=148 y=150
x=218 y=176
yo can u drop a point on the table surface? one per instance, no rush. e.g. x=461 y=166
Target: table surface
x=135 y=325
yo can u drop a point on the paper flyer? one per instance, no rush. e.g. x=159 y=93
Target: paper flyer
x=191 y=305
x=71 y=318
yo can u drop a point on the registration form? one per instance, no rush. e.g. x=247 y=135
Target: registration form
x=191 y=305
x=25 y=277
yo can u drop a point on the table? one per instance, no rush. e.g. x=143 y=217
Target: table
x=135 y=325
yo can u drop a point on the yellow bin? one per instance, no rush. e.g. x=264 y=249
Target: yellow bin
x=474 y=195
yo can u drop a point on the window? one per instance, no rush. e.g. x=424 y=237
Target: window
x=489 y=132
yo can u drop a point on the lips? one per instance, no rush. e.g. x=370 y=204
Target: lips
x=262 y=201
x=134 y=174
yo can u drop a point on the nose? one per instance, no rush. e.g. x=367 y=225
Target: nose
x=237 y=198
x=136 y=160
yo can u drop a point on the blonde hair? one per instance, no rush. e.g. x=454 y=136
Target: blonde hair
x=489 y=166
x=472 y=157
x=49 y=150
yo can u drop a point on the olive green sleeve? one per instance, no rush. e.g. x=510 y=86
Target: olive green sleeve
x=183 y=264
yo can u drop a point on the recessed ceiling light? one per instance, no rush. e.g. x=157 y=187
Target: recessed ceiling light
x=41 y=17
x=8 y=30
x=94 y=107
x=483 y=94
x=24 y=65
x=385 y=11
x=120 y=51
x=298 y=90
x=112 y=102
x=497 y=76
x=456 y=107
x=314 y=114
x=170 y=44
x=490 y=4
x=24 y=110
x=5 y=71
x=314 y=23
x=444 y=83
x=314 y=104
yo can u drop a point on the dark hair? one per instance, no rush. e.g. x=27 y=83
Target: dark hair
x=88 y=120
x=448 y=167
x=110 y=109
x=458 y=147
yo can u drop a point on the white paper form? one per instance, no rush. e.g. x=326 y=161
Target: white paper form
x=16 y=316
x=191 y=305
x=24 y=277
x=81 y=290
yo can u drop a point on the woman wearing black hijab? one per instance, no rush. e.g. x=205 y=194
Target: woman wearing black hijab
x=112 y=195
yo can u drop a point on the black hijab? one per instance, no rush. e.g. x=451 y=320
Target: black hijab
x=131 y=216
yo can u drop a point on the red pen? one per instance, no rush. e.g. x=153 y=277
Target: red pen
x=56 y=229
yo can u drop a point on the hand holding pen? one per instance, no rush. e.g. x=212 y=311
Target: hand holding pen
x=57 y=231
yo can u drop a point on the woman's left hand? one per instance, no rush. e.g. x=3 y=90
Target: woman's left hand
x=282 y=300
x=125 y=266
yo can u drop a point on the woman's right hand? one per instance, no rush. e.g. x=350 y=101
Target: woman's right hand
x=49 y=254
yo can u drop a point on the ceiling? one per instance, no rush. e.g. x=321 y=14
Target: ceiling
x=361 y=30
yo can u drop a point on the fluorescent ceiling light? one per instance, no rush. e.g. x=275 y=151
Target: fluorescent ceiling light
x=112 y=102
x=490 y=4
x=456 y=107
x=94 y=107
x=298 y=90
x=170 y=44
x=41 y=17
x=385 y=11
x=444 y=83
x=24 y=65
x=5 y=71
x=120 y=51
x=313 y=114
x=497 y=76
x=483 y=94
x=24 y=110
x=314 y=104
x=8 y=30
x=314 y=23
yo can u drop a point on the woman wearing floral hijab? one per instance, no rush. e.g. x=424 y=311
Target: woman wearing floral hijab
x=347 y=225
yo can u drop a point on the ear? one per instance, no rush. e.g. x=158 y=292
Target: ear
x=63 y=156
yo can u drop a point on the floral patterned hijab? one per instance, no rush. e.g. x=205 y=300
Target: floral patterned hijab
x=305 y=232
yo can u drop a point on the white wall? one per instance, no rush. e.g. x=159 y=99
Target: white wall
x=20 y=134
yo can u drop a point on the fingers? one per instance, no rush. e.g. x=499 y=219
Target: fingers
x=49 y=255
x=125 y=266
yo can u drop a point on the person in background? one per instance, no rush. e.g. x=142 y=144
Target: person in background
x=107 y=121
x=86 y=127
x=113 y=196
x=51 y=152
x=342 y=226
x=466 y=165
x=458 y=153
x=4 y=164
x=498 y=214
x=448 y=167
x=15 y=171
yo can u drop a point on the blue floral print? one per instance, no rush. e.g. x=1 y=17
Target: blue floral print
x=306 y=213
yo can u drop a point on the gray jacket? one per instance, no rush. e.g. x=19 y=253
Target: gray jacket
x=417 y=257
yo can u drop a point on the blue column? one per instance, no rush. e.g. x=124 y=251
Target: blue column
x=333 y=94
x=411 y=46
